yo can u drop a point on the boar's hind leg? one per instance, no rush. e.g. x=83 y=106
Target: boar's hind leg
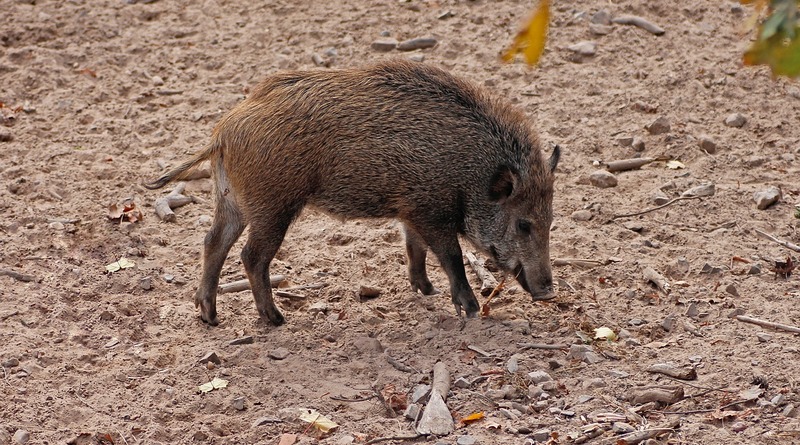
x=226 y=229
x=444 y=245
x=264 y=241
x=417 y=252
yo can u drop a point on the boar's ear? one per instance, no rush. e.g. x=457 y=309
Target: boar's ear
x=502 y=185
x=554 y=158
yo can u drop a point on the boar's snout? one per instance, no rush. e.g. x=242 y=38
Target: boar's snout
x=541 y=288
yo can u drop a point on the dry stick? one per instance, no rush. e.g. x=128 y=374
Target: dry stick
x=707 y=410
x=578 y=262
x=768 y=324
x=670 y=202
x=174 y=199
x=651 y=275
x=240 y=285
x=17 y=276
x=488 y=281
x=628 y=164
x=525 y=346
x=783 y=243
x=384 y=439
x=399 y=366
x=639 y=22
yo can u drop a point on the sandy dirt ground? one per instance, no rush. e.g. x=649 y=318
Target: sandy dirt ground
x=99 y=96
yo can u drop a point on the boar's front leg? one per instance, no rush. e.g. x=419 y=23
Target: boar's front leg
x=417 y=252
x=444 y=245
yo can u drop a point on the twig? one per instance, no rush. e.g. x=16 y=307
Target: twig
x=495 y=291
x=783 y=243
x=174 y=199
x=670 y=202
x=384 y=439
x=768 y=324
x=9 y=315
x=708 y=389
x=488 y=281
x=123 y=437
x=525 y=346
x=17 y=276
x=651 y=275
x=399 y=366
x=579 y=262
x=240 y=285
x=639 y=22
x=629 y=164
x=357 y=399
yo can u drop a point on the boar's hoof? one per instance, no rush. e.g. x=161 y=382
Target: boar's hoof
x=273 y=317
x=471 y=312
x=544 y=296
x=210 y=319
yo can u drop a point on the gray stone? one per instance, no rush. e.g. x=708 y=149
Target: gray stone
x=692 y=311
x=319 y=307
x=246 y=340
x=601 y=17
x=600 y=30
x=764 y=337
x=412 y=411
x=535 y=392
x=510 y=392
x=10 y=363
x=537 y=377
x=417 y=43
x=585 y=48
x=541 y=435
x=169 y=278
x=622 y=428
x=704 y=189
x=466 y=440
x=790 y=411
x=583 y=399
x=278 y=354
x=496 y=394
x=461 y=382
x=736 y=120
x=766 y=198
x=638 y=144
x=146 y=283
x=668 y=324
x=602 y=179
x=636 y=322
x=204 y=220
x=384 y=45
x=738 y=427
x=731 y=289
x=659 y=126
x=711 y=270
x=265 y=420
x=420 y=394
x=508 y=414
x=633 y=226
x=778 y=400
x=584 y=353
x=625 y=141
x=582 y=215
x=21 y=437
x=658 y=197
x=755 y=269
x=567 y=413
x=707 y=144
x=596 y=382
x=210 y=357
x=549 y=386
x=368 y=345
x=238 y=404
x=512 y=365
x=618 y=374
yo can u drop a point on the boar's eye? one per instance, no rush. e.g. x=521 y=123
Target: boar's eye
x=524 y=227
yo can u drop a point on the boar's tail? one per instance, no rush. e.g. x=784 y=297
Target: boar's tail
x=181 y=171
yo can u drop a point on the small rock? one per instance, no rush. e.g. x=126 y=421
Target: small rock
x=595 y=383
x=735 y=120
x=738 y=427
x=345 y=440
x=637 y=144
x=622 y=428
x=368 y=292
x=384 y=45
x=420 y=394
x=755 y=269
x=731 y=289
x=584 y=398
x=461 y=382
x=602 y=179
x=600 y=30
x=658 y=126
x=204 y=220
x=265 y=420
x=692 y=311
x=210 y=357
x=567 y=413
x=278 y=354
x=549 y=386
x=146 y=283
x=238 y=404
x=169 y=278
x=246 y=340
x=535 y=392
x=790 y=411
x=582 y=215
x=669 y=323
x=319 y=307
x=412 y=411
x=157 y=81
x=466 y=440
x=541 y=435
x=496 y=394
x=601 y=17
x=708 y=145
x=766 y=198
x=10 y=363
x=368 y=345
x=633 y=226
x=417 y=58
x=21 y=436
x=585 y=48
x=704 y=189
x=510 y=392
x=56 y=225
x=616 y=373
x=709 y=269
x=508 y=414
x=417 y=43
x=512 y=365
x=584 y=353
x=537 y=377
x=636 y=322
x=778 y=400
x=658 y=197
x=6 y=136
x=763 y=337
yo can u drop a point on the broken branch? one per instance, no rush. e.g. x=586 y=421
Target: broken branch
x=240 y=285
x=639 y=22
x=579 y=262
x=651 y=275
x=768 y=324
x=174 y=199
x=17 y=276
x=783 y=243
x=628 y=164
x=488 y=281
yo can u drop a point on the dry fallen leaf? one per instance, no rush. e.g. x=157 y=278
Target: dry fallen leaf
x=530 y=40
x=474 y=417
x=288 y=439
x=216 y=383
x=675 y=165
x=122 y=263
x=317 y=420
x=605 y=333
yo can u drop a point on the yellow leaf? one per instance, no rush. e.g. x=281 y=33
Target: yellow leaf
x=531 y=38
x=674 y=165
x=605 y=334
x=122 y=263
x=316 y=419
x=474 y=417
x=216 y=383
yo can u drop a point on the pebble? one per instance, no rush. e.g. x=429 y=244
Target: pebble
x=210 y=357
x=278 y=354
x=169 y=278
x=265 y=420
x=582 y=215
x=6 y=136
x=420 y=393
x=763 y=337
x=658 y=126
x=417 y=43
x=368 y=292
x=668 y=324
x=412 y=411
x=709 y=269
x=618 y=374
x=246 y=340
x=417 y=58
x=319 y=307
x=708 y=145
x=622 y=428
x=496 y=394
x=21 y=436
x=625 y=141
x=600 y=30
x=541 y=435
x=731 y=289
x=584 y=353
x=704 y=189
x=384 y=45
x=157 y=81
x=778 y=400
x=368 y=345
x=583 y=399
x=602 y=179
x=738 y=427
x=692 y=311
x=736 y=120
x=512 y=365
x=595 y=383
x=466 y=440
x=461 y=382
x=10 y=363
x=790 y=411
x=658 y=197
x=508 y=414
x=238 y=404
x=755 y=269
x=637 y=144
x=766 y=198
x=537 y=377
x=585 y=48
x=601 y=17
x=203 y=220
x=535 y=392
x=633 y=226
x=346 y=440
x=146 y=283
